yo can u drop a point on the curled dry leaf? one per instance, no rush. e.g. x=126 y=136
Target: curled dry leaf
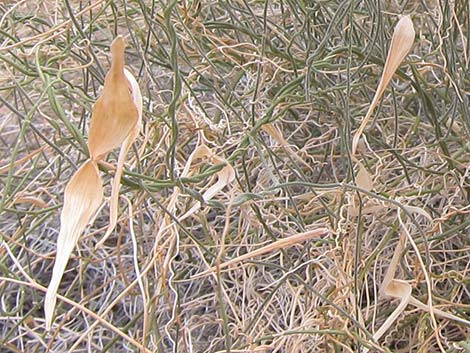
x=83 y=196
x=402 y=41
x=116 y=120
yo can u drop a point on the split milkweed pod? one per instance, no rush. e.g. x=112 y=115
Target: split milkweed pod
x=115 y=121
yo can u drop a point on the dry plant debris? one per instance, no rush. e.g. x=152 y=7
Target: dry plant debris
x=115 y=121
x=291 y=177
x=402 y=41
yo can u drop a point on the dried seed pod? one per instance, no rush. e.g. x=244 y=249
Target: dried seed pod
x=115 y=121
x=115 y=113
x=126 y=145
x=83 y=196
x=402 y=41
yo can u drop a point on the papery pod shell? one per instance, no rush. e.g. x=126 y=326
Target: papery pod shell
x=114 y=200
x=402 y=41
x=115 y=119
x=114 y=113
x=83 y=196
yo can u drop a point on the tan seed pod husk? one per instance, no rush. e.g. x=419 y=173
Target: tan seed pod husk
x=402 y=41
x=83 y=196
x=114 y=200
x=116 y=120
x=364 y=179
x=114 y=114
x=277 y=136
x=393 y=288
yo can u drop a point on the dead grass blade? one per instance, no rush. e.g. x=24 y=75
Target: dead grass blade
x=277 y=136
x=402 y=41
x=83 y=196
x=279 y=244
x=34 y=201
x=27 y=158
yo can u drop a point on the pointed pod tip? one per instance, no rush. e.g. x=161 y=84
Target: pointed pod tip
x=117 y=46
x=49 y=306
x=83 y=196
x=119 y=40
x=405 y=26
x=406 y=19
